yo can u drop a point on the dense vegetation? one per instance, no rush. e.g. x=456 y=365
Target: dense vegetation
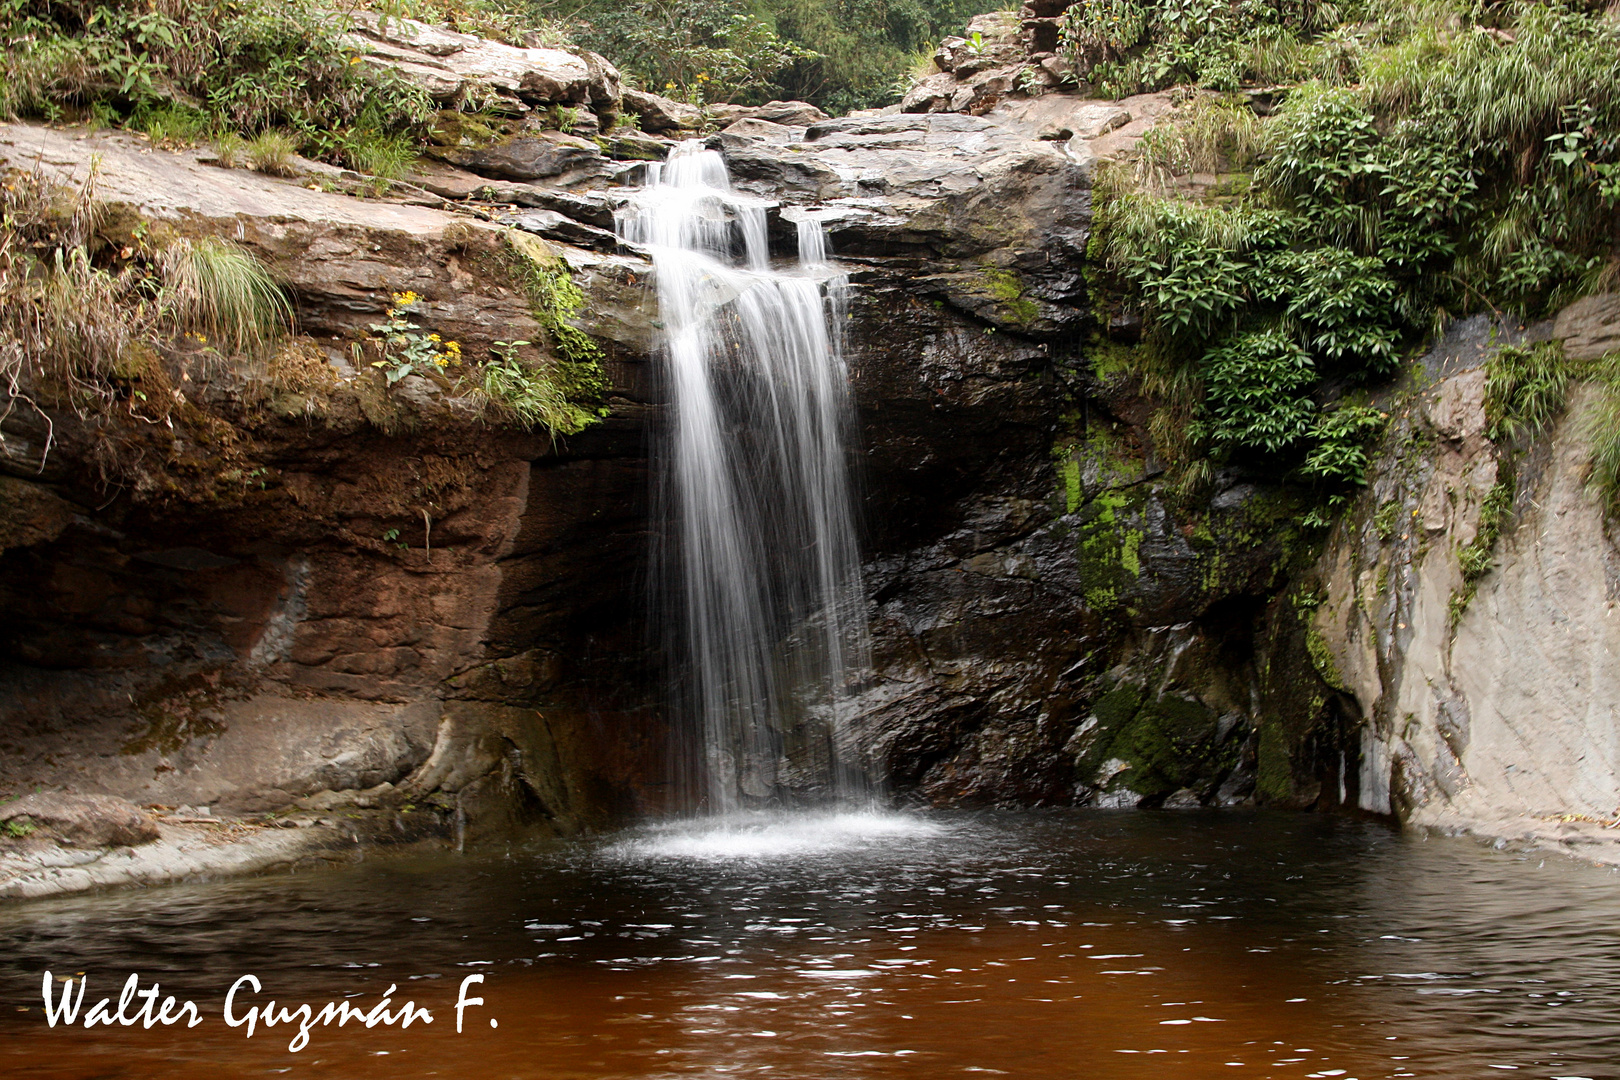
x=1432 y=160
x=839 y=54
x=211 y=69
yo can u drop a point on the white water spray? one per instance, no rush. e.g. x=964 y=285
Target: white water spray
x=755 y=488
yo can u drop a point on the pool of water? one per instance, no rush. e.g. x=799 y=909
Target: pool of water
x=1072 y=944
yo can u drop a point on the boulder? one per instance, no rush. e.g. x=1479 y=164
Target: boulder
x=659 y=114
x=789 y=113
x=448 y=65
x=83 y=820
x=995 y=27
x=31 y=513
x=985 y=91
x=766 y=131
x=951 y=51
x=929 y=95
x=525 y=157
x=758 y=165
x=1590 y=327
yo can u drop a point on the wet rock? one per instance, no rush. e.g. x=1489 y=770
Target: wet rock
x=82 y=820
x=757 y=165
x=625 y=145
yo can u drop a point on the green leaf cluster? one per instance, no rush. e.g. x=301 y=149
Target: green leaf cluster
x=1455 y=160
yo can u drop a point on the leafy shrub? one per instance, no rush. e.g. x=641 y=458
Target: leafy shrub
x=400 y=346
x=1344 y=305
x=1254 y=387
x=1341 y=437
x=1445 y=158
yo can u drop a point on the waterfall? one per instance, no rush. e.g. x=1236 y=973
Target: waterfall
x=754 y=491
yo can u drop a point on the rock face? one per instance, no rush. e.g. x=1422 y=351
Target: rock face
x=304 y=586
x=312 y=592
x=1490 y=697
x=1042 y=634
x=373 y=593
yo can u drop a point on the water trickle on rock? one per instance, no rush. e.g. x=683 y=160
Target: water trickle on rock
x=754 y=491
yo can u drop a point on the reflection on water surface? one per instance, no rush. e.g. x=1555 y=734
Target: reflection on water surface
x=1067 y=945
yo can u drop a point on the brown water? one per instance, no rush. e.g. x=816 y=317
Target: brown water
x=1075 y=945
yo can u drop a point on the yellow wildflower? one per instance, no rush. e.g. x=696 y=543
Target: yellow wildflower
x=434 y=338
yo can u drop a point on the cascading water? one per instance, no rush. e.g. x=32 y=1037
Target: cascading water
x=754 y=489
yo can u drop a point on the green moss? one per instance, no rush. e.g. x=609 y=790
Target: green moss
x=571 y=382
x=1169 y=742
x=1322 y=658
x=1109 y=547
x=1274 y=770
x=1111 y=361
x=1007 y=291
x=1068 y=470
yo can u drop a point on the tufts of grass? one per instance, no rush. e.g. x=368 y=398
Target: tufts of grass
x=1600 y=427
x=1273 y=55
x=1525 y=389
x=273 y=153
x=387 y=157
x=1220 y=132
x=230 y=150
x=533 y=394
x=170 y=123
x=220 y=291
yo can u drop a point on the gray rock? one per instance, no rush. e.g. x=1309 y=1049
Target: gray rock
x=660 y=114
x=932 y=94
x=555 y=226
x=1590 y=327
x=789 y=113
x=527 y=157
x=755 y=164
x=84 y=820
x=766 y=131
x=448 y=65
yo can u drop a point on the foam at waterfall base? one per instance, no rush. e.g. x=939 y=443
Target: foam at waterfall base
x=762 y=835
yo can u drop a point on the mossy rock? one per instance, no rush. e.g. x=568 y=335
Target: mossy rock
x=1108 y=547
